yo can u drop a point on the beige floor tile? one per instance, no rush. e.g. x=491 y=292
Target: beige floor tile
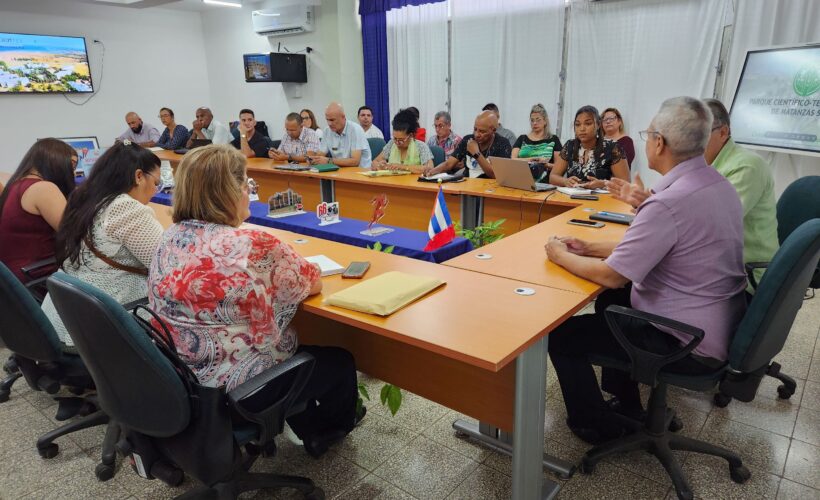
x=79 y=486
x=373 y=487
x=807 y=427
x=17 y=406
x=677 y=396
x=814 y=372
x=25 y=472
x=795 y=365
x=803 y=464
x=811 y=395
x=374 y=441
x=709 y=479
x=611 y=482
x=484 y=483
x=774 y=415
x=790 y=490
x=768 y=389
x=426 y=469
x=415 y=413
x=756 y=447
x=443 y=433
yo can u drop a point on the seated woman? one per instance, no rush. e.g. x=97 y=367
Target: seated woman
x=174 y=136
x=420 y=133
x=309 y=121
x=108 y=235
x=32 y=204
x=614 y=131
x=228 y=295
x=540 y=144
x=589 y=160
x=403 y=152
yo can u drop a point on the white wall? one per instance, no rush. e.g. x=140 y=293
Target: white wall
x=153 y=58
x=334 y=66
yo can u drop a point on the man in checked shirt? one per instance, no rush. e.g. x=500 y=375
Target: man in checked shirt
x=296 y=142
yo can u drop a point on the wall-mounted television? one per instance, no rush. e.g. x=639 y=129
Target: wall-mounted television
x=275 y=67
x=43 y=64
x=777 y=102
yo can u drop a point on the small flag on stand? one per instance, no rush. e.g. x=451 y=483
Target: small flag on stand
x=440 y=229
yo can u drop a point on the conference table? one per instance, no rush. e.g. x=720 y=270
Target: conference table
x=481 y=361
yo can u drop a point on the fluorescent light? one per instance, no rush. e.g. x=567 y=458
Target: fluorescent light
x=224 y=3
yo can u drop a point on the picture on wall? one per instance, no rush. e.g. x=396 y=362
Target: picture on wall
x=43 y=64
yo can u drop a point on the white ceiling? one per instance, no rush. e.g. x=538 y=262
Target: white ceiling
x=187 y=5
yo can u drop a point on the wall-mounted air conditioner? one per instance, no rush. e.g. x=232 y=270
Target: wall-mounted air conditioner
x=287 y=20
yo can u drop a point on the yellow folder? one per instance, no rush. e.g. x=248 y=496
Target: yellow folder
x=384 y=294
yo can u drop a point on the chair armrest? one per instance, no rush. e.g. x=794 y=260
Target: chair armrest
x=751 y=267
x=31 y=270
x=266 y=398
x=128 y=306
x=645 y=365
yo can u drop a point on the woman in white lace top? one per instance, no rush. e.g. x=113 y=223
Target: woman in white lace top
x=108 y=235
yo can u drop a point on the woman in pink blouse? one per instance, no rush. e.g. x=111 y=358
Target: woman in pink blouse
x=228 y=295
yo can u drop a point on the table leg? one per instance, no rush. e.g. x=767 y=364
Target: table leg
x=328 y=189
x=471 y=211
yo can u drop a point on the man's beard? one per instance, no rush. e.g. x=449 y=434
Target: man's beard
x=137 y=130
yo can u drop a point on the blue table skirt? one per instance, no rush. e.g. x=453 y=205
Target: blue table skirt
x=407 y=242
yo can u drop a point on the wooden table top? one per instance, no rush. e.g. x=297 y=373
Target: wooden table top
x=475 y=318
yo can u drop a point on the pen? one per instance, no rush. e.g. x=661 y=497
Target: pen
x=613 y=214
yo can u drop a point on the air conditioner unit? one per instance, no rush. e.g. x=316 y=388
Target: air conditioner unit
x=287 y=20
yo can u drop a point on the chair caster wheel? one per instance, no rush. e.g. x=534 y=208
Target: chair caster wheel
x=49 y=451
x=739 y=474
x=721 y=400
x=586 y=467
x=316 y=494
x=104 y=472
x=784 y=392
x=675 y=424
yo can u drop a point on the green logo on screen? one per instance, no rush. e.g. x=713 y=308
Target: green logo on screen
x=807 y=80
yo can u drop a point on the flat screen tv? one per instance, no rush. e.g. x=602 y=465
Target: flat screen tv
x=43 y=64
x=777 y=102
x=275 y=67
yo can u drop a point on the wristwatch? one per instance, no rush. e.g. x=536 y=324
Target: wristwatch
x=243 y=136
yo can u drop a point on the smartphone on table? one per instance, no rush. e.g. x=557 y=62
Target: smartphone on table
x=586 y=223
x=356 y=270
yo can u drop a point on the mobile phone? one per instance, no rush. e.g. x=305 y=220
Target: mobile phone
x=356 y=270
x=584 y=197
x=586 y=223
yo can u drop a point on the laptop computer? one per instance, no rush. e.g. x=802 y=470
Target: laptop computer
x=515 y=173
x=196 y=143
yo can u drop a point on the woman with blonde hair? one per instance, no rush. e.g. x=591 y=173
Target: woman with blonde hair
x=228 y=295
x=613 y=125
x=539 y=144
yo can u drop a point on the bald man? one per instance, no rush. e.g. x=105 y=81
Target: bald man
x=141 y=133
x=344 y=141
x=474 y=149
x=205 y=127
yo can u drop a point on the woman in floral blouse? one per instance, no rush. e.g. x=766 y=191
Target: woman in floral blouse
x=228 y=295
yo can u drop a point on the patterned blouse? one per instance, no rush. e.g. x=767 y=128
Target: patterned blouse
x=227 y=296
x=599 y=166
x=179 y=140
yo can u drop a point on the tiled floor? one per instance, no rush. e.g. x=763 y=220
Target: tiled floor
x=416 y=455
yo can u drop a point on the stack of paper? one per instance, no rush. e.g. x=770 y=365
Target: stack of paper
x=328 y=266
x=384 y=294
x=569 y=191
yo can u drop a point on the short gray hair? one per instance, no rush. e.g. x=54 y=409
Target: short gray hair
x=685 y=124
x=444 y=115
x=719 y=113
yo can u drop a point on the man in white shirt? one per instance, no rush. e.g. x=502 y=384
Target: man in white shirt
x=205 y=127
x=366 y=121
x=144 y=134
x=344 y=141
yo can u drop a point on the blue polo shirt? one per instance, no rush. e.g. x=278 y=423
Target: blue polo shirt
x=351 y=139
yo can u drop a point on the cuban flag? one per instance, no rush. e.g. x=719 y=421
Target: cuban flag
x=440 y=228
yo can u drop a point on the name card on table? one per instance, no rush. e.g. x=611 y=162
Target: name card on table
x=328 y=213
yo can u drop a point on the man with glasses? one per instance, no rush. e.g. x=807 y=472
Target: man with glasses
x=297 y=142
x=683 y=255
x=445 y=138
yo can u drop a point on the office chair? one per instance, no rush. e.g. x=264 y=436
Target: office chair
x=376 y=146
x=38 y=354
x=276 y=144
x=171 y=423
x=759 y=337
x=260 y=127
x=799 y=203
x=438 y=155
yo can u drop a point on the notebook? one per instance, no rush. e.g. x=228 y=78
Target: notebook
x=324 y=167
x=384 y=294
x=328 y=266
x=384 y=173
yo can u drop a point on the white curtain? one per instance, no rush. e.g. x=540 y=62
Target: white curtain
x=417 y=60
x=764 y=23
x=634 y=54
x=507 y=52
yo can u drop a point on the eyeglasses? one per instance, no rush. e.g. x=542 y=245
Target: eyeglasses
x=536 y=120
x=644 y=134
x=166 y=115
x=401 y=140
x=609 y=119
x=157 y=181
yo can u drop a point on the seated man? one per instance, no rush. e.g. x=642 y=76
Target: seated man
x=205 y=127
x=366 y=121
x=252 y=143
x=344 y=143
x=297 y=142
x=503 y=132
x=683 y=255
x=445 y=138
x=752 y=179
x=144 y=134
x=475 y=148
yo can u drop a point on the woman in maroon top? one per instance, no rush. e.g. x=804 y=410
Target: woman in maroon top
x=614 y=131
x=32 y=204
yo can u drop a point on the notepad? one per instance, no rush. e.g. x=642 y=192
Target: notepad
x=328 y=266
x=324 y=167
x=569 y=191
x=384 y=294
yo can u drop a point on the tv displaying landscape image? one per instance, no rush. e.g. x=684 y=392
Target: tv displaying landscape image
x=43 y=63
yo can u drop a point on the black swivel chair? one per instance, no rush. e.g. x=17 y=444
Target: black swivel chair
x=759 y=337
x=153 y=400
x=37 y=353
x=799 y=203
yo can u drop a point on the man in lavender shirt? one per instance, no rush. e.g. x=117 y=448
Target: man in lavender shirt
x=138 y=132
x=683 y=255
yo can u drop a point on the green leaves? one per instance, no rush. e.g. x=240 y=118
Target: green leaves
x=378 y=247
x=807 y=80
x=483 y=234
x=359 y=401
x=391 y=396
